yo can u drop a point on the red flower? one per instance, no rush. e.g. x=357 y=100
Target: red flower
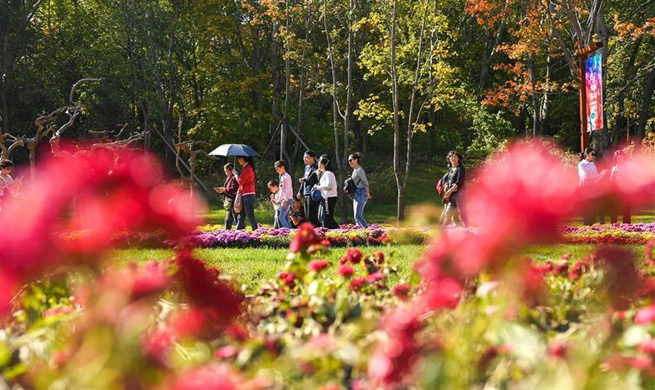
x=353 y=255
x=579 y=268
x=401 y=290
x=287 y=277
x=345 y=270
x=214 y=297
x=646 y=315
x=561 y=268
x=318 y=265
x=558 y=349
x=357 y=283
x=305 y=238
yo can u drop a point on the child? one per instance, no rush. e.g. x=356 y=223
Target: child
x=297 y=215
x=274 y=187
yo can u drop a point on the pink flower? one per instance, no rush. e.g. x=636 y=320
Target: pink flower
x=155 y=346
x=357 y=283
x=214 y=377
x=395 y=355
x=647 y=346
x=318 y=265
x=91 y=194
x=375 y=277
x=443 y=294
x=345 y=270
x=646 y=315
x=59 y=310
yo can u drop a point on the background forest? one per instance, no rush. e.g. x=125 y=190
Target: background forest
x=403 y=81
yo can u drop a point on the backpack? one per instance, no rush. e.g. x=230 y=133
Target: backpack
x=349 y=186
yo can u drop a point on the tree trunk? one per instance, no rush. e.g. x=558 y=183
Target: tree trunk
x=396 y=117
x=645 y=107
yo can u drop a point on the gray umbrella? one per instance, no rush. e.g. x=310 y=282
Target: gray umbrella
x=234 y=150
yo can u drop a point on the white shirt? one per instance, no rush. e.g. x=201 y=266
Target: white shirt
x=588 y=173
x=328 y=185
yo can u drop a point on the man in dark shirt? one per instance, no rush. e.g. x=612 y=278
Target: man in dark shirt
x=304 y=190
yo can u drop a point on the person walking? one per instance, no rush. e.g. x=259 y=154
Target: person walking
x=307 y=182
x=362 y=194
x=589 y=177
x=247 y=187
x=328 y=186
x=286 y=193
x=229 y=192
x=453 y=189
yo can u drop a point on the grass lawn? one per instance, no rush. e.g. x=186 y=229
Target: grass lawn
x=251 y=266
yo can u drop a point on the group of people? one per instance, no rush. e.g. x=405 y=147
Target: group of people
x=315 y=201
x=316 y=198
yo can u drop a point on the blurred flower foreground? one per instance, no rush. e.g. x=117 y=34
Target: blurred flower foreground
x=476 y=314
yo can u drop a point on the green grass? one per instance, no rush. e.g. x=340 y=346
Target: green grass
x=249 y=267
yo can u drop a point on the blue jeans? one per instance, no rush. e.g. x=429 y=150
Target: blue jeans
x=248 y=211
x=283 y=215
x=359 y=201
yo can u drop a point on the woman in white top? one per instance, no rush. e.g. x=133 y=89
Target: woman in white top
x=328 y=186
x=589 y=176
x=286 y=193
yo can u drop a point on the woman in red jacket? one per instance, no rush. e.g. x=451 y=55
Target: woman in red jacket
x=247 y=187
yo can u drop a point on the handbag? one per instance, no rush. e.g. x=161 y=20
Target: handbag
x=349 y=186
x=316 y=195
x=227 y=204
x=238 y=202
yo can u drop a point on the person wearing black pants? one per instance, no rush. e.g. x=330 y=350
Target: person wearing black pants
x=328 y=186
x=308 y=181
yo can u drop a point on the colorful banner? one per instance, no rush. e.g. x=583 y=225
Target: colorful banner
x=594 y=91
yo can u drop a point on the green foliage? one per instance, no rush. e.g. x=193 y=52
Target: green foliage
x=492 y=132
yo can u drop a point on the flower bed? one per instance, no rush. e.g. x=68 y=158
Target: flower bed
x=638 y=233
x=347 y=235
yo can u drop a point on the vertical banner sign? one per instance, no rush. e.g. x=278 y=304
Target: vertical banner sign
x=594 y=91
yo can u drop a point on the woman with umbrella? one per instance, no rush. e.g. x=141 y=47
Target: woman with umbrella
x=247 y=187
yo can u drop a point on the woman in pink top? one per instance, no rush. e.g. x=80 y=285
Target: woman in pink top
x=286 y=193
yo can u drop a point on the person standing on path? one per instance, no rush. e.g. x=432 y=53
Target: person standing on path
x=229 y=191
x=286 y=192
x=307 y=182
x=328 y=186
x=247 y=187
x=362 y=193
